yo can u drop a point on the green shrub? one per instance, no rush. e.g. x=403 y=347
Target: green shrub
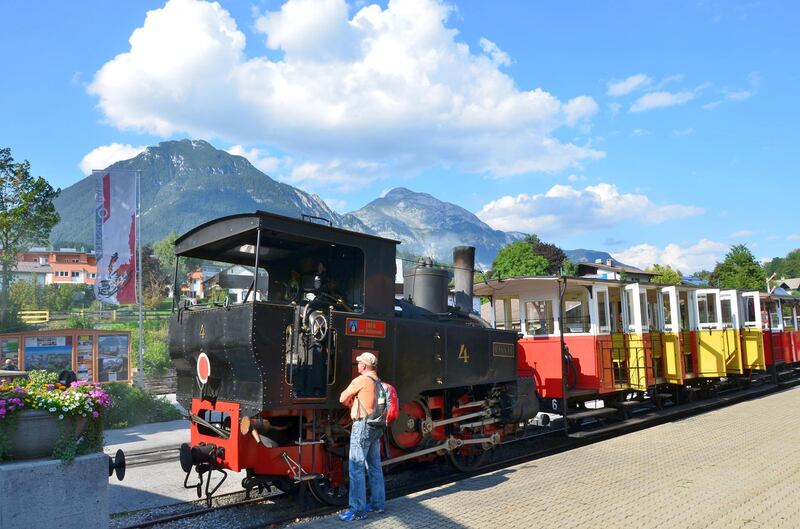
x=131 y=405
x=40 y=377
x=155 y=334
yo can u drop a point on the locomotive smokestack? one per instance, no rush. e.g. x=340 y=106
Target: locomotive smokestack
x=464 y=263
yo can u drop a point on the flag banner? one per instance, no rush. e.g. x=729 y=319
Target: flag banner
x=115 y=236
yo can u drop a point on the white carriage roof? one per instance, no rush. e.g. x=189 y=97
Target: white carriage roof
x=517 y=285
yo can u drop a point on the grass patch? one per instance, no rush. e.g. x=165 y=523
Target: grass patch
x=131 y=406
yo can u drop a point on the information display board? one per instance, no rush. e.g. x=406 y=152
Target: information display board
x=112 y=357
x=85 y=357
x=9 y=349
x=52 y=353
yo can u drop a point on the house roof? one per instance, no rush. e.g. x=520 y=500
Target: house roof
x=28 y=267
x=614 y=268
x=791 y=284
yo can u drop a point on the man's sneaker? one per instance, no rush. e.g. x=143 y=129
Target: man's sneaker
x=379 y=511
x=350 y=516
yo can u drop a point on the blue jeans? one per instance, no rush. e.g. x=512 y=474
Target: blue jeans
x=365 y=448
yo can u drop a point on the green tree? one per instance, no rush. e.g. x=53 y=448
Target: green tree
x=164 y=251
x=61 y=298
x=518 y=260
x=787 y=267
x=555 y=256
x=568 y=268
x=155 y=278
x=27 y=215
x=739 y=270
x=665 y=274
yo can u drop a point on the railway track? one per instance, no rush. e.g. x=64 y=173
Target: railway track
x=275 y=509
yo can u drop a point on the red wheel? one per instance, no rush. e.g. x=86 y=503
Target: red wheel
x=405 y=432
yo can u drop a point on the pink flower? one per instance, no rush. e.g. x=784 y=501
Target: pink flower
x=95 y=414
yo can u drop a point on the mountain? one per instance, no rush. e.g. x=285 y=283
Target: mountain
x=185 y=183
x=590 y=256
x=431 y=227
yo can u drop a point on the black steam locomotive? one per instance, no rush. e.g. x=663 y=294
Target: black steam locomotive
x=262 y=373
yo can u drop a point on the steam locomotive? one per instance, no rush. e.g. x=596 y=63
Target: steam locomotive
x=262 y=374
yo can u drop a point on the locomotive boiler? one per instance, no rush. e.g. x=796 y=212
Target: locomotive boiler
x=261 y=367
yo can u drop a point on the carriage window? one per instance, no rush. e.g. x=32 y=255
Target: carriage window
x=539 y=316
x=727 y=313
x=616 y=310
x=666 y=307
x=774 y=314
x=630 y=322
x=750 y=316
x=684 y=311
x=644 y=308
x=707 y=308
x=576 y=304
x=602 y=311
x=507 y=314
x=787 y=315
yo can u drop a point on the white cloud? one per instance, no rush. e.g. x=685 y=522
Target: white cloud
x=793 y=237
x=754 y=80
x=337 y=204
x=340 y=175
x=105 y=155
x=741 y=234
x=615 y=108
x=499 y=57
x=683 y=132
x=712 y=105
x=628 y=85
x=576 y=178
x=702 y=255
x=580 y=108
x=260 y=159
x=391 y=86
x=564 y=209
x=669 y=80
x=641 y=132
x=661 y=100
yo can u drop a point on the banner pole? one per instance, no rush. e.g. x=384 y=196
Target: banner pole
x=139 y=270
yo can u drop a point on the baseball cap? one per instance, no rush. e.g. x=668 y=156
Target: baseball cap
x=367 y=358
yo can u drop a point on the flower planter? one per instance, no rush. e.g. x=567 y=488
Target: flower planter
x=35 y=433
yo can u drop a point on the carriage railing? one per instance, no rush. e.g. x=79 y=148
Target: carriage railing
x=629 y=365
x=577 y=324
x=540 y=326
x=508 y=325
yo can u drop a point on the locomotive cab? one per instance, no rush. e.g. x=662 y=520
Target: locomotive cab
x=279 y=320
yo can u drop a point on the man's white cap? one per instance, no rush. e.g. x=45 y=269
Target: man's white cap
x=368 y=359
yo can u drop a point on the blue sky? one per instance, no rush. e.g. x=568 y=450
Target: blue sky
x=661 y=132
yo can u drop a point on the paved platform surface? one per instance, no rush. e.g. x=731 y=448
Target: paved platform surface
x=154 y=477
x=738 y=467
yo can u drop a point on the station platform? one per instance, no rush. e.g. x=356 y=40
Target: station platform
x=737 y=467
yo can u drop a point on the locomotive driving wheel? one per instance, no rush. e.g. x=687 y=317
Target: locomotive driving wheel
x=471 y=457
x=407 y=431
x=328 y=493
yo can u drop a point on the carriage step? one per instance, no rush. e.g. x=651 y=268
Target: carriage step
x=580 y=393
x=599 y=412
x=663 y=395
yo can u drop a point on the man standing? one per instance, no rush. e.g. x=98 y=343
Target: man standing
x=365 y=447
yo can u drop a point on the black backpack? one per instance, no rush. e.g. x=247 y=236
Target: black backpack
x=378 y=417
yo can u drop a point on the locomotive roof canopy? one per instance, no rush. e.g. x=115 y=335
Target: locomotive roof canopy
x=232 y=239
